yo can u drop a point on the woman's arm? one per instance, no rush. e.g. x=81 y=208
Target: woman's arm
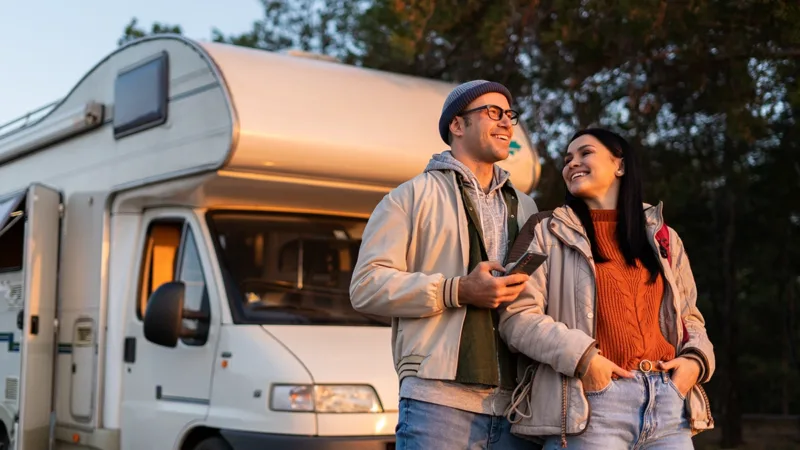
x=527 y=329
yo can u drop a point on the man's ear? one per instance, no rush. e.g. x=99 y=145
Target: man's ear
x=456 y=127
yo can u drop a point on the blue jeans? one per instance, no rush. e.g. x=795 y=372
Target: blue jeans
x=642 y=413
x=427 y=426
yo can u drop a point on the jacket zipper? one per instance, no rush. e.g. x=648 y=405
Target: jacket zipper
x=565 y=386
x=707 y=405
x=563 y=411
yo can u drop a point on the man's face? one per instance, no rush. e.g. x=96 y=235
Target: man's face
x=482 y=137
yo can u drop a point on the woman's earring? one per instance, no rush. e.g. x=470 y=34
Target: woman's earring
x=620 y=173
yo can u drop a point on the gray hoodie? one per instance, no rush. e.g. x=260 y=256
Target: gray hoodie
x=491 y=207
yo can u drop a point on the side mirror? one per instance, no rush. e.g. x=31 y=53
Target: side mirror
x=162 y=318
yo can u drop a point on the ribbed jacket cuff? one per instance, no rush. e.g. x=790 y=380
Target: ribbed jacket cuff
x=450 y=292
x=693 y=354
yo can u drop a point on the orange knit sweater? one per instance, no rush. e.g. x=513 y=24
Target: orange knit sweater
x=627 y=306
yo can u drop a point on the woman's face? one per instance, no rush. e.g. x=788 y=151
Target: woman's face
x=592 y=172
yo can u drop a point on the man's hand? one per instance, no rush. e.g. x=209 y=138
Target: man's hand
x=599 y=373
x=685 y=373
x=482 y=289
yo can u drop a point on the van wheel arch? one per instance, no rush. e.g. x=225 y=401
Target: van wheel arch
x=205 y=438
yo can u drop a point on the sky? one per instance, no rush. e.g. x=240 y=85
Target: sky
x=46 y=46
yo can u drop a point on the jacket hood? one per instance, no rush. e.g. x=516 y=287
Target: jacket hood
x=446 y=160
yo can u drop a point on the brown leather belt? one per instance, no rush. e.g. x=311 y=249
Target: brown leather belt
x=648 y=366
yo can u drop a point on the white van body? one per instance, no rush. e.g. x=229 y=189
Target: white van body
x=178 y=235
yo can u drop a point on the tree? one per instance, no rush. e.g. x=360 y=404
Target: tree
x=131 y=32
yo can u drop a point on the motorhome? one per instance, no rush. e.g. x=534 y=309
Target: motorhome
x=177 y=236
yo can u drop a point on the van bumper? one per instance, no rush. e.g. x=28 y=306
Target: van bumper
x=245 y=440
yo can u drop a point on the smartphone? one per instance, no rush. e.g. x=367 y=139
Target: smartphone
x=527 y=263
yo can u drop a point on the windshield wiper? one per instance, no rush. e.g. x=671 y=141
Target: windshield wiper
x=265 y=307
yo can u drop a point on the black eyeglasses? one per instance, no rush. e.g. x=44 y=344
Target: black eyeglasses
x=495 y=113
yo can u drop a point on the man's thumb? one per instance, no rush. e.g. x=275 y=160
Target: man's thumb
x=492 y=265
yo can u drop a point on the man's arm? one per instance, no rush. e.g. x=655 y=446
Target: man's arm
x=381 y=284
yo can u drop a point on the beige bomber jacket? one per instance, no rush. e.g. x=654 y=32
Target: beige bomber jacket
x=552 y=324
x=415 y=249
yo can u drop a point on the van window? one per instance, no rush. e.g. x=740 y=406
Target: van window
x=289 y=269
x=141 y=96
x=190 y=271
x=12 y=233
x=171 y=254
x=160 y=253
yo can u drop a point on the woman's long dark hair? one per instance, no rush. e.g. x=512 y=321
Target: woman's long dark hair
x=631 y=230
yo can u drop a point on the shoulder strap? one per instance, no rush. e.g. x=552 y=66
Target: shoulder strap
x=525 y=235
x=663 y=242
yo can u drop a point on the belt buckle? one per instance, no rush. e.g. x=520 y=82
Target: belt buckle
x=649 y=364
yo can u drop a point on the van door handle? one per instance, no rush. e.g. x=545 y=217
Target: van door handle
x=130 y=350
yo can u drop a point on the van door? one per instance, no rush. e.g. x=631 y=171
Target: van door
x=40 y=273
x=167 y=389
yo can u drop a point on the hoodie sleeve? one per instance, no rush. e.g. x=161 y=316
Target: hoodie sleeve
x=381 y=283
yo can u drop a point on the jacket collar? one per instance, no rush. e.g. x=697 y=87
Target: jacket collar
x=567 y=226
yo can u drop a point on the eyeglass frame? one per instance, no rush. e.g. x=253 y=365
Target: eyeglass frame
x=514 y=120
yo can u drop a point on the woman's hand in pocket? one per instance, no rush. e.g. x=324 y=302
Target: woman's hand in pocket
x=685 y=372
x=599 y=373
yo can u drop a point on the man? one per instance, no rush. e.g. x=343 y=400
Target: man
x=426 y=261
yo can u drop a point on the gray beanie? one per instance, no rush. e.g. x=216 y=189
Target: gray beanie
x=463 y=95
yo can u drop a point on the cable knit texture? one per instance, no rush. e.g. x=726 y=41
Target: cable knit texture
x=627 y=306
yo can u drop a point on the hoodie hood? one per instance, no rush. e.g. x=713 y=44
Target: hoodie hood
x=445 y=160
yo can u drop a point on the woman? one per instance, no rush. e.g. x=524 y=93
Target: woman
x=609 y=322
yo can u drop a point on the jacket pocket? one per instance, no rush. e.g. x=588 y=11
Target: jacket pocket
x=600 y=391
x=698 y=410
x=542 y=402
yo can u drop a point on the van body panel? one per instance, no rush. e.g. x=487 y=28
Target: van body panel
x=386 y=128
x=240 y=396
x=345 y=355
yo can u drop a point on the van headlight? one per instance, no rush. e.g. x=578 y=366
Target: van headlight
x=332 y=398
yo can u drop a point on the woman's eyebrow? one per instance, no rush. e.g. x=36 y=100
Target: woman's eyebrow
x=579 y=149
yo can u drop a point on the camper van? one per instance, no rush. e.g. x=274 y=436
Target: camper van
x=177 y=238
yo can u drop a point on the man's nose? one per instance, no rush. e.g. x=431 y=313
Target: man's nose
x=505 y=121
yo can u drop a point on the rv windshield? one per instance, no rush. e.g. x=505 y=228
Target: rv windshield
x=289 y=269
